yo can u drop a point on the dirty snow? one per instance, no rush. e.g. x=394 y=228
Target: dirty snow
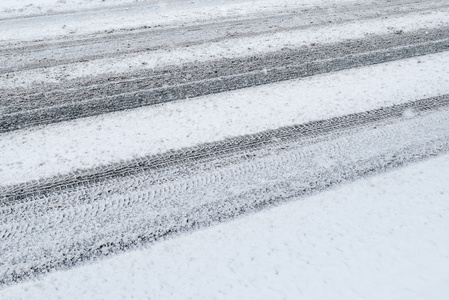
x=223 y=49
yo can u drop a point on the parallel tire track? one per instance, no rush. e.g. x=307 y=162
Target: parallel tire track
x=65 y=220
x=39 y=54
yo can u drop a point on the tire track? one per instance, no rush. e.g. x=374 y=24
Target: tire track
x=21 y=111
x=78 y=222
x=226 y=150
x=30 y=55
x=66 y=220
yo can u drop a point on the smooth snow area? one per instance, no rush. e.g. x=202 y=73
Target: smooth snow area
x=85 y=143
x=383 y=237
x=99 y=16
x=225 y=49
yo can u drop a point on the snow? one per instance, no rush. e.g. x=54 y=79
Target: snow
x=148 y=13
x=26 y=8
x=48 y=151
x=218 y=50
x=383 y=237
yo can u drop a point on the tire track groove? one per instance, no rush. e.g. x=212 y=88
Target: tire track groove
x=99 y=218
x=22 y=111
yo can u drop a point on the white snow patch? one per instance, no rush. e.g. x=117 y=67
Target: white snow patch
x=85 y=143
x=24 y=8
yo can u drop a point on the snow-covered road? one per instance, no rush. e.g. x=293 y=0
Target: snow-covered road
x=124 y=123
x=60 y=79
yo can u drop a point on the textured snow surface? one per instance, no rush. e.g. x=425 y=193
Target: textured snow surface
x=383 y=237
x=88 y=17
x=46 y=151
x=219 y=50
x=21 y=8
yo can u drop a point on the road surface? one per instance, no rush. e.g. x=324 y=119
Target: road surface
x=91 y=210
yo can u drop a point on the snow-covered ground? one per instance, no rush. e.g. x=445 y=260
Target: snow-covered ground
x=383 y=237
